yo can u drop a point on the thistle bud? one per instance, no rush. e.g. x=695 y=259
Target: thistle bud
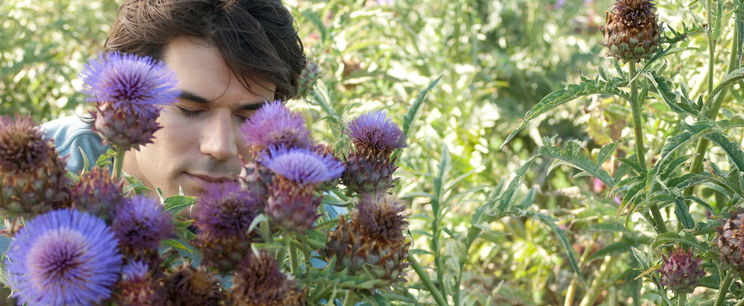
x=372 y=241
x=681 y=272
x=731 y=241
x=97 y=193
x=631 y=31
x=192 y=286
x=260 y=282
x=32 y=175
x=308 y=78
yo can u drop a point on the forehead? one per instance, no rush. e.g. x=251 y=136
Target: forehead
x=201 y=69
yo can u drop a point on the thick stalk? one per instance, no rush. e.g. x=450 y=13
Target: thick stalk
x=118 y=163
x=640 y=149
x=713 y=104
x=293 y=265
x=571 y=292
x=724 y=288
x=681 y=299
x=427 y=281
x=598 y=285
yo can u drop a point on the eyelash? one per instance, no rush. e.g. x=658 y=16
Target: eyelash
x=190 y=113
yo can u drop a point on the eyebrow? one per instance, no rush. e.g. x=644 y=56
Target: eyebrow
x=187 y=95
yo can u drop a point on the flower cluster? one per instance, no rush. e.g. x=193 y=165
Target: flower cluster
x=97 y=241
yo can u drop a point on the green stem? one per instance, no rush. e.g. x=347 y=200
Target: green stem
x=293 y=265
x=640 y=149
x=571 y=292
x=427 y=281
x=436 y=231
x=118 y=163
x=598 y=284
x=724 y=288
x=713 y=104
x=681 y=299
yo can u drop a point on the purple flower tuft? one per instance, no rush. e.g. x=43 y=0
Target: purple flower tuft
x=140 y=223
x=225 y=210
x=275 y=125
x=376 y=132
x=302 y=166
x=135 y=271
x=64 y=257
x=129 y=79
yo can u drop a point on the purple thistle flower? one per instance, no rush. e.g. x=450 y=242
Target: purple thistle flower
x=225 y=210
x=375 y=133
x=64 y=257
x=302 y=166
x=135 y=271
x=140 y=224
x=129 y=79
x=275 y=125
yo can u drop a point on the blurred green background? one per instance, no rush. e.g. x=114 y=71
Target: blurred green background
x=495 y=59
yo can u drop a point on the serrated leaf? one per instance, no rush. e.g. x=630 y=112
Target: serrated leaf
x=605 y=152
x=414 y=109
x=669 y=97
x=505 y=199
x=731 y=78
x=547 y=220
x=683 y=213
x=732 y=150
x=562 y=96
x=572 y=156
x=177 y=203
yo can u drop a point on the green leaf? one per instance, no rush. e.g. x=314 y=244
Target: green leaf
x=176 y=244
x=675 y=142
x=416 y=106
x=669 y=97
x=562 y=96
x=606 y=152
x=731 y=149
x=505 y=200
x=683 y=213
x=730 y=79
x=547 y=220
x=175 y=204
x=572 y=156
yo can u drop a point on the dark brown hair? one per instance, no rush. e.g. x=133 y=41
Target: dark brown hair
x=256 y=38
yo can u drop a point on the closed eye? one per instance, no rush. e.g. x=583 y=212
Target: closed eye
x=189 y=113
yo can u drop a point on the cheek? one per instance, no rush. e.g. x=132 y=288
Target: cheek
x=177 y=135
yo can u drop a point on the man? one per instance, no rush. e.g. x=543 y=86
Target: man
x=229 y=56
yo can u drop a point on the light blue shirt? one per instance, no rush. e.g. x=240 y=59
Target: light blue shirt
x=73 y=137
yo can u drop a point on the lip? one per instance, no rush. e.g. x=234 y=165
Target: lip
x=212 y=179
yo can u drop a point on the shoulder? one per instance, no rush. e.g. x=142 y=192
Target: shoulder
x=73 y=136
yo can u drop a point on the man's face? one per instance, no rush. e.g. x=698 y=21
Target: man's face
x=200 y=141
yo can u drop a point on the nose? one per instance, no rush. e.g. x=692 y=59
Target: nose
x=219 y=137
